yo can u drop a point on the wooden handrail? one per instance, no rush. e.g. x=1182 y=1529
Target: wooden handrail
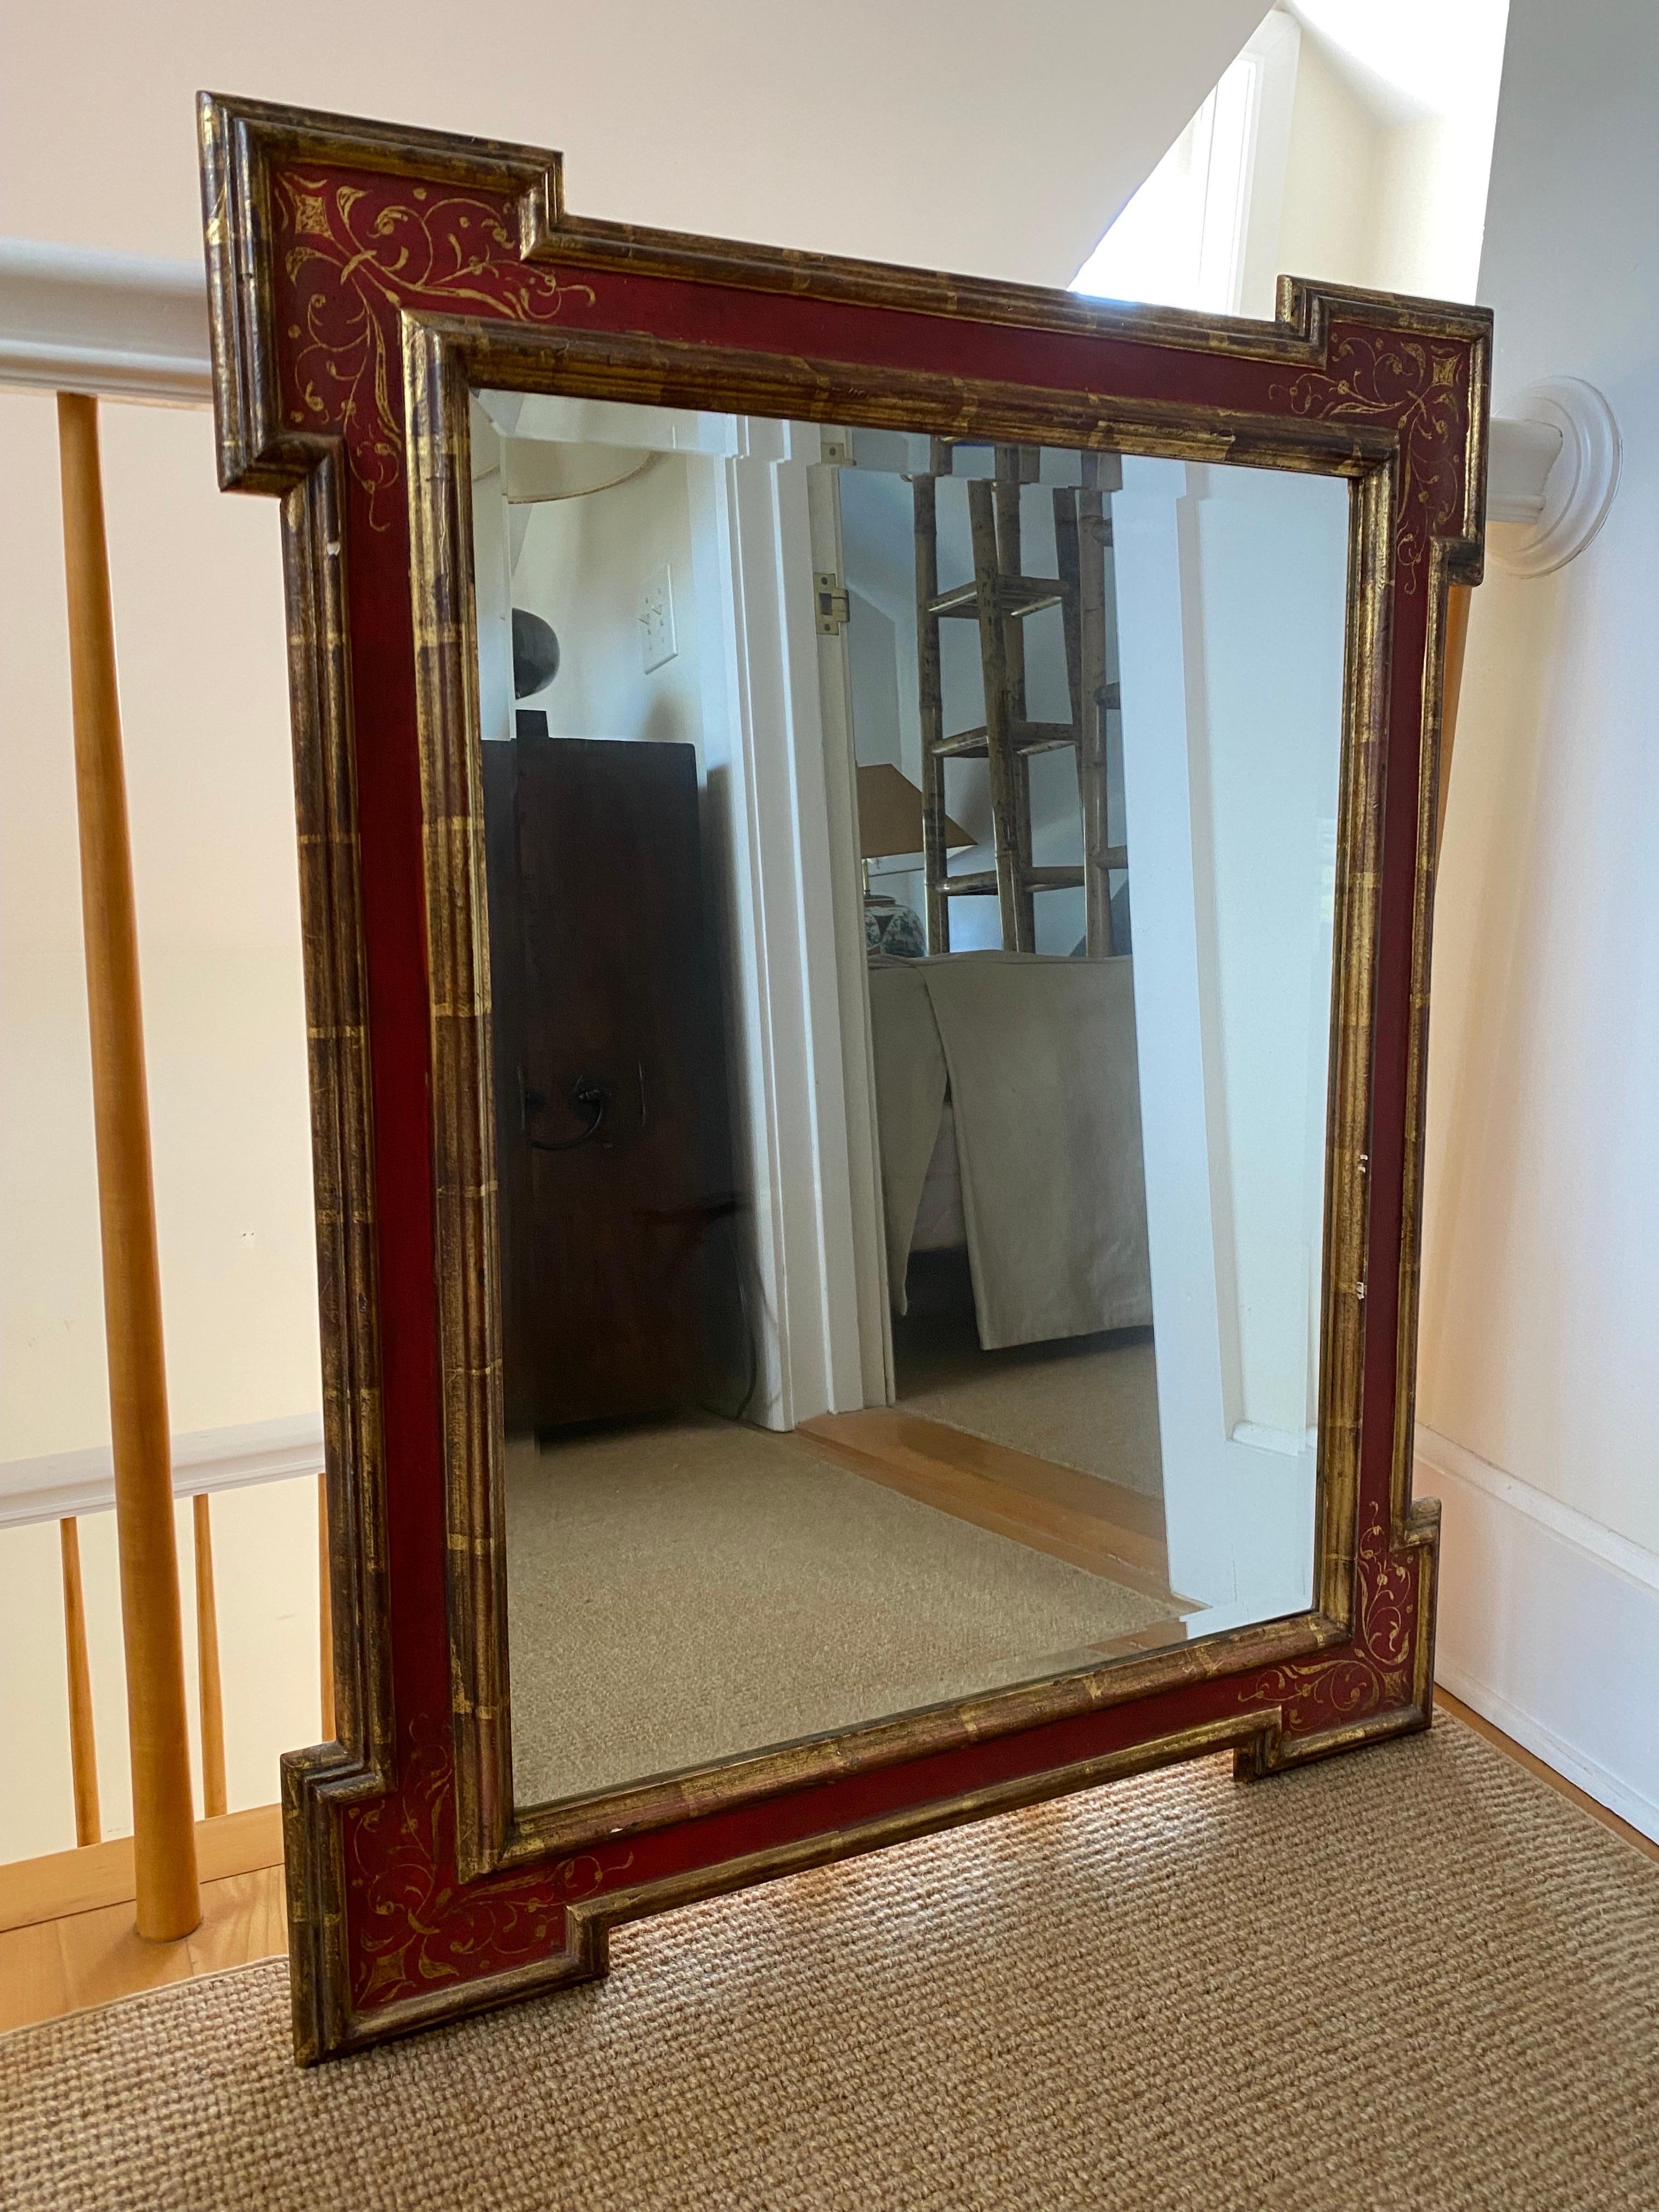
x=83 y=1744
x=164 y=1830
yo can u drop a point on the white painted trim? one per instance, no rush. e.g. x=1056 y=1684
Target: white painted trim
x=1553 y=472
x=72 y=319
x=1441 y=1455
x=1519 y=458
x=1596 y=1781
x=769 y=787
x=816 y=1096
x=1548 y=1627
x=1293 y=1443
x=66 y=1483
x=870 y=1285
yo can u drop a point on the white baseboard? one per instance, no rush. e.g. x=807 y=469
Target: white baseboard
x=67 y=1483
x=1549 y=1627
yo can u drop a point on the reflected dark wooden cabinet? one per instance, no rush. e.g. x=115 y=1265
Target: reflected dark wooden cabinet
x=614 y=1208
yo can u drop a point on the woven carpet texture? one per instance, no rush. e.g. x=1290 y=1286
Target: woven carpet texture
x=696 y=1588
x=1089 y=1402
x=1415 y=1977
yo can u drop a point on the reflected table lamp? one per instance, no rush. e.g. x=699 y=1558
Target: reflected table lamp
x=890 y=826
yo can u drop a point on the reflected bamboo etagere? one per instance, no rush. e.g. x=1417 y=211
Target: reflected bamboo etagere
x=362 y=279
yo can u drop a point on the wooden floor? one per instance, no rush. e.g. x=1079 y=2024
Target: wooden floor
x=66 y=1937
x=92 y=1958
x=1082 y=1518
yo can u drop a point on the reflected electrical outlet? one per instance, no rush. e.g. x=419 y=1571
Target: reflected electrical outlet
x=657 y=620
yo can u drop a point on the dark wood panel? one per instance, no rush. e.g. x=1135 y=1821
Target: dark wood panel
x=609 y=1094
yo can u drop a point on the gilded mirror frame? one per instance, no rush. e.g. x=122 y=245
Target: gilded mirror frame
x=363 y=279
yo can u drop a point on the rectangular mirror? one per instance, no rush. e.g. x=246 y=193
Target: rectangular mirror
x=866 y=847
x=1095 y=709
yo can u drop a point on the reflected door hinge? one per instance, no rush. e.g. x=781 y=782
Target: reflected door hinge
x=831 y=595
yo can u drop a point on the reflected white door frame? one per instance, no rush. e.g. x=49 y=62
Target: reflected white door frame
x=874 y=1310
x=781 y=792
x=1239 y=1519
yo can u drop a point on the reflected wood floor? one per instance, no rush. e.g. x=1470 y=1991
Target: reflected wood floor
x=1095 y=1524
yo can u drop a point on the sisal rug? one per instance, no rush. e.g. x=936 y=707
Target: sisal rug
x=1414 y=1978
x=697 y=1589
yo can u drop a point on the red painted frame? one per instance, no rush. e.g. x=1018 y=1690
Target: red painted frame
x=336 y=250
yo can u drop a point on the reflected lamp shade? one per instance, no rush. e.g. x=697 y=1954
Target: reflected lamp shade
x=889 y=816
x=535 y=653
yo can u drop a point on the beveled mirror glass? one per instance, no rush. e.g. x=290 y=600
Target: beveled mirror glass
x=1092 y=705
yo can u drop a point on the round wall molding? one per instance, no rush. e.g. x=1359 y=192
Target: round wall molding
x=1581 y=482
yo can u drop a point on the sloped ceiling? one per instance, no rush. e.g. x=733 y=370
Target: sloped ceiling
x=961 y=134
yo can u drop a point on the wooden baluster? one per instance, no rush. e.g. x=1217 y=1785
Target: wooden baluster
x=83 y=1743
x=164 y=1830
x=211 y=1692
x=326 y=1610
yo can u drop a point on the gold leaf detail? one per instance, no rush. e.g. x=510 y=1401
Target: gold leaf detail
x=411 y=1923
x=310 y=215
x=354 y=256
x=1409 y=385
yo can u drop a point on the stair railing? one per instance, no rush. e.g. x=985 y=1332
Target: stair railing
x=89 y=326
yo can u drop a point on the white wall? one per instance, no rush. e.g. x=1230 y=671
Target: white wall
x=1541 y=1262
x=959 y=150
x=583 y=567
x=1331 y=174
x=197 y=594
x=203 y=662
x=1391 y=144
x=492 y=579
x=872 y=668
x=225 y=1037
x=885 y=719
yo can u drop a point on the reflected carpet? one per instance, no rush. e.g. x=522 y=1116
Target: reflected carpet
x=1088 y=1402
x=696 y=1588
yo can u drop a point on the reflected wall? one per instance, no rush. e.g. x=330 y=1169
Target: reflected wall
x=1093 y=708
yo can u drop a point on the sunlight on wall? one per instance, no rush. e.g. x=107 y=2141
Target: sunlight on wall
x=1180 y=240
x=1328 y=150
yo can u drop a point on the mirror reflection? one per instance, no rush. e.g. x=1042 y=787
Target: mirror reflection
x=955 y=1322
